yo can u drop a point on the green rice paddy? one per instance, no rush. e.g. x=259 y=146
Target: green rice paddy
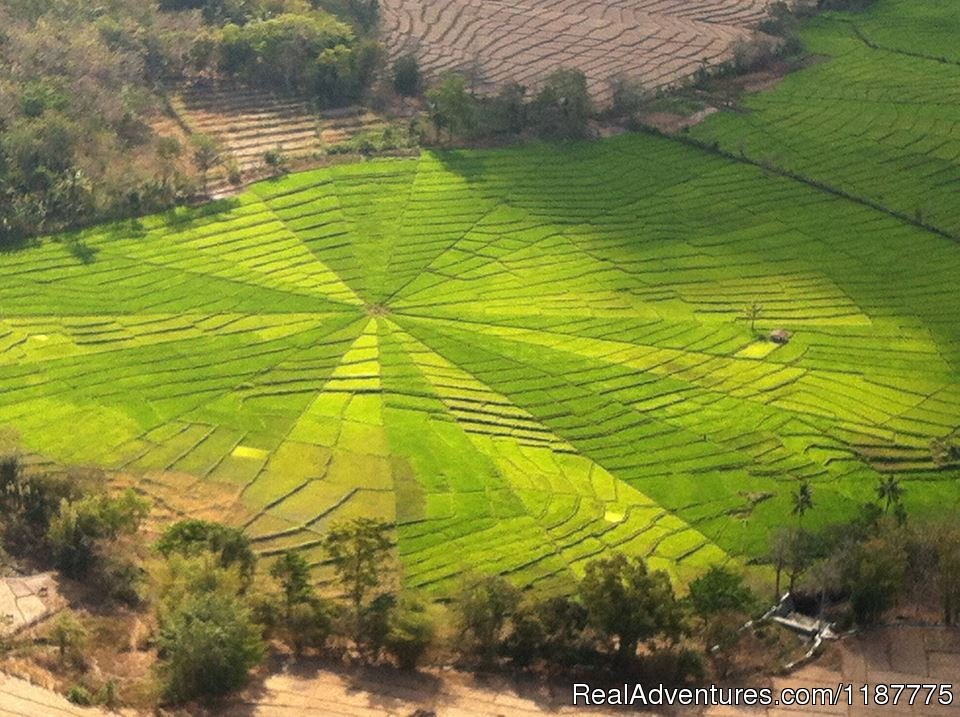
x=877 y=116
x=524 y=358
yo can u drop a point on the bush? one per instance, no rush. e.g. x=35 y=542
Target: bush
x=874 y=578
x=275 y=160
x=208 y=643
x=307 y=625
x=289 y=51
x=563 y=107
x=30 y=502
x=80 y=695
x=81 y=526
x=70 y=637
x=551 y=629
x=406 y=76
x=195 y=537
x=628 y=96
x=720 y=590
x=410 y=632
x=484 y=607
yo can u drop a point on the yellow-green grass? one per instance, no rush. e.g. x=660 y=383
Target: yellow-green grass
x=523 y=358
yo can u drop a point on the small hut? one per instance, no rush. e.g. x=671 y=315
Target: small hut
x=781 y=336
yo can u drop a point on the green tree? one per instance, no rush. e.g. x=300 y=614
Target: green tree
x=194 y=537
x=282 y=51
x=752 y=313
x=562 y=109
x=628 y=96
x=802 y=500
x=874 y=577
x=81 y=526
x=483 y=606
x=948 y=574
x=552 y=629
x=723 y=602
x=410 y=633
x=627 y=601
x=30 y=501
x=451 y=107
x=406 y=76
x=168 y=150
x=358 y=551
x=206 y=156
x=208 y=643
x=293 y=573
x=720 y=590
x=890 y=491
x=306 y=625
x=506 y=113
x=69 y=636
x=364 y=12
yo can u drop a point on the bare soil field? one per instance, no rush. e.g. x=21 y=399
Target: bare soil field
x=655 y=41
x=249 y=123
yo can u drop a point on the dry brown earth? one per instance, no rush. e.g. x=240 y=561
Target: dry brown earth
x=249 y=123
x=497 y=41
x=905 y=655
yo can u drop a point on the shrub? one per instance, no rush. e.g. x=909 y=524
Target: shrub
x=208 y=644
x=874 y=577
x=549 y=629
x=275 y=160
x=70 y=637
x=563 y=106
x=194 y=537
x=81 y=525
x=720 y=590
x=410 y=633
x=80 y=695
x=628 y=96
x=307 y=625
x=406 y=76
x=484 y=607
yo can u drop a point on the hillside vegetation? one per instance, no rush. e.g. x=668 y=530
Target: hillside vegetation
x=82 y=91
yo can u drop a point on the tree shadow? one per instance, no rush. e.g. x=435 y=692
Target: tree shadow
x=82 y=251
x=387 y=690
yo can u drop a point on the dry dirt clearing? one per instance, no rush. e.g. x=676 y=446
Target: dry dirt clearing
x=894 y=655
x=496 y=42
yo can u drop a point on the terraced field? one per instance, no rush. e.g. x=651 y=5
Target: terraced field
x=521 y=365
x=879 y=119
x=249 y=123
x=496 y=42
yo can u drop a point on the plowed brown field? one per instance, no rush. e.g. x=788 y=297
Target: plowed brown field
x=495 y=42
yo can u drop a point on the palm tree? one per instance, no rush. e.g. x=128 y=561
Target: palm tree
x=802 y=500
x=890 y=491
